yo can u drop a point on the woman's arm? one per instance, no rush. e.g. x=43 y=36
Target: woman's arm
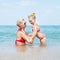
x=26 y=37
x=28 y=34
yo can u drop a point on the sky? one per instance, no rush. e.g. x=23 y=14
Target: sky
x=47 y=11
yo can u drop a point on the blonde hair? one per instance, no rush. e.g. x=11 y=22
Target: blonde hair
x=20 y=22
x=33 y=15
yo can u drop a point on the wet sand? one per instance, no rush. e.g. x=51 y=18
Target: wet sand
x=29 y=53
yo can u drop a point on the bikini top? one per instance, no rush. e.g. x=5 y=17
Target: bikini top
x=22 y=39
x=37 y=30
x=20 y=29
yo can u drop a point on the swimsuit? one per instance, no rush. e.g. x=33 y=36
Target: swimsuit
x=43 y=36
x=20 y=40
x=37 y=30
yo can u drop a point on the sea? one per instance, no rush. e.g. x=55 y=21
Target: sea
x=8 y=34
x=9 y=51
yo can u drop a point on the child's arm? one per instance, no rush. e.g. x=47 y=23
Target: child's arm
x=34 y=32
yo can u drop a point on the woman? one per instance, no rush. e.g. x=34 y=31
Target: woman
x=22 y=36
x=42 y=37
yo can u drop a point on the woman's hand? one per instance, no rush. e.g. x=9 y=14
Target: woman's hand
x=31 y=40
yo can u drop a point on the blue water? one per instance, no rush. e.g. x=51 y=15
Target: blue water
x=8 y=35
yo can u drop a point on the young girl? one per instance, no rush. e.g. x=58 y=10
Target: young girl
x=22 y=37
x=42 y=37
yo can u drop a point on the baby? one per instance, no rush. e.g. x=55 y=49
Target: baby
x=42 y=37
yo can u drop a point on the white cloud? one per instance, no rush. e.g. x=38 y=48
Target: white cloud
x=5 y=4
x=20 y=3
x=27 y=3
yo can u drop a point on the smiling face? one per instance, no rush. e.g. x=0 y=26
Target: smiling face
x=21 y=23
x=31 y=19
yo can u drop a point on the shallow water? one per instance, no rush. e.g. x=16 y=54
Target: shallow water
x=8 y=50
x=30 y=53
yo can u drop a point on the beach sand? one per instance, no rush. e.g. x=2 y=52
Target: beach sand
x=34 y=52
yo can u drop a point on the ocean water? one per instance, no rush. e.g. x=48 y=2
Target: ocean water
x=8 y=35
x=9 y=51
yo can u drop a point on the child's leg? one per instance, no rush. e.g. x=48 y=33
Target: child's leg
x=42 y=38
x=43 y=41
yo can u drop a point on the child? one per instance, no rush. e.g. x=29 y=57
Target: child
x=42 y=37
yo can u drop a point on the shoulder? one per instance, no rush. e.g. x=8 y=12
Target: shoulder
x=19 y=32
